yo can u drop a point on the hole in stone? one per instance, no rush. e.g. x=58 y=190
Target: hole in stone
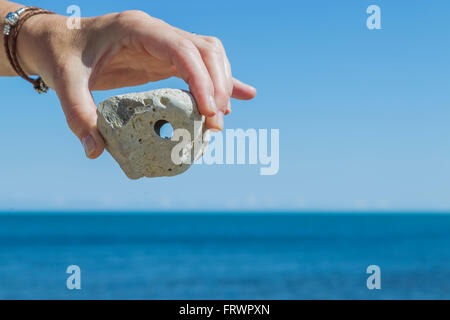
x=148 y=101
x=164 y=129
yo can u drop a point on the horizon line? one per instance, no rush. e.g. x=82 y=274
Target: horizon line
x=54 y=212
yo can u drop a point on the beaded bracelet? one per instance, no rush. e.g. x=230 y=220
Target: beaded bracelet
x=13 y=23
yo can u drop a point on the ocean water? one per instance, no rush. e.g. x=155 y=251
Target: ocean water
x=226 y=256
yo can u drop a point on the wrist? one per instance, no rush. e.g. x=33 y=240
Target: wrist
x=5 y=66
x=35 y=41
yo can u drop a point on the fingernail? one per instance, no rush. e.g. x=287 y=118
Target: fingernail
x=212 y=104
x=217 y=122
x=89 y=145
x=229 y=108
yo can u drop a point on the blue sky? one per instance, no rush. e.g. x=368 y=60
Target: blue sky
x=364 y=116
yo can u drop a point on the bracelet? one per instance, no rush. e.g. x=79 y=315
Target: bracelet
x=14 y=22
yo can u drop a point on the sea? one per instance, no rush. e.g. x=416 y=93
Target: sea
x=231 y=256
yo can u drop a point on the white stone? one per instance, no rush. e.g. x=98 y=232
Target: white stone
x=130 y=123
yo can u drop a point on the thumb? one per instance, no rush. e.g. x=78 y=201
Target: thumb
x=80 y=111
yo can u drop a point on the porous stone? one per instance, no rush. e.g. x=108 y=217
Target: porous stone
x=131 y=123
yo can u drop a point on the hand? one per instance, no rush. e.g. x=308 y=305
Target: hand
x=121 y=50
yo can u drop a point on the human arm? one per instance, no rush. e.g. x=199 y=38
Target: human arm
x=120 y=50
